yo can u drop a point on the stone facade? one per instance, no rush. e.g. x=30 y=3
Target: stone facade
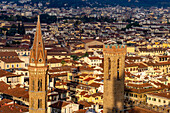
x=114 y=65
x=37 y=89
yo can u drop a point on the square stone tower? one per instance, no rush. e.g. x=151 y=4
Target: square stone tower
x=38 y=74
x=114 y=65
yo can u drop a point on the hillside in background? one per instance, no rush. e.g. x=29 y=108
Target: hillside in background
x=101 y=3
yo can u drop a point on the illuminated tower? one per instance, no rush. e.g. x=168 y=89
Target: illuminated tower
x=38 y=74
x=114 y=65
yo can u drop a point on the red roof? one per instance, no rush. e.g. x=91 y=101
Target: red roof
x=88 y=79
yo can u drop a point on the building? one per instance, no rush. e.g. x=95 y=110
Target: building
x=158 y=99
x=38 y=74
x=114 y=65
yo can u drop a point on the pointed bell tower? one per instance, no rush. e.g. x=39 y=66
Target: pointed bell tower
x=38 y=74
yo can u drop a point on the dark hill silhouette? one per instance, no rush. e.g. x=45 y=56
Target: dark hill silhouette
x=101 y=3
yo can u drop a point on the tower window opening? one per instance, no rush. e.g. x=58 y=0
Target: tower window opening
x=32 y=60
x=108 y=77
x=109 y=69
x=32 y=105
x=39 y=103
x=118 y=63
x=33 y=85
x=39 y=85
x=118 y=77
x=40 y=60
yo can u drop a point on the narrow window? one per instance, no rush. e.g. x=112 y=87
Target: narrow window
x=40 y=85
x=109 y=68
x=33 y=85
x=118 y=62
x=32 y=102
x=39 y=103
x=118 y=78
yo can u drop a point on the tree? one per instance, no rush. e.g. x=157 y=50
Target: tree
x=4 y=30
x=75 y=58
x=19 y=28
x=48 y=28
x=86 y=55
x=12 y=30
x=22 y=29
x=63 y=62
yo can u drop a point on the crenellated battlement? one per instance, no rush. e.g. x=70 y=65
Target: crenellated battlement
x=114 y=48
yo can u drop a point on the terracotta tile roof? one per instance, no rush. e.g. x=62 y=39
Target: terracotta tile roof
x=5 y=101
x=162 y=79
x=96 y=46
x=4 y=73
x=58 y=49
x=131 y=65
x=6 y=54
x=82 y=68
x=3 y=86
x=143 y=90
x=87 y=40
x=88 y=79
x=17 y=92
x=163 y=94
x=59 y=69
x=80 y=111
x=159 y=84
x=14 y=108
x=11 y=60
x=97 y=94
x=83 y=75
x=92 y=58
x=60 y=83
x=83 y=92
x=157 y=63
x=85 y=103
x=152 y=50
x=24 y=69
x=57 y=75
x=54 y=60
x=133 y=58
x=59 y=104
x=164 y=56
x=140 y=85
x=95 y=84
x=142 y=65
x=141 y=110
x=99 y=80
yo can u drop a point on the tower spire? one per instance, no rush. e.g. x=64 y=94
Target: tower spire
x=38 y=53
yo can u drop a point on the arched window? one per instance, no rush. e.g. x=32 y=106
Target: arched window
x=39 y=103
x=40 y=85
x=118 y=77
x=109 y=64
x=32 y=100
x=109 y=68
x=33 y=85
x=118 y=63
